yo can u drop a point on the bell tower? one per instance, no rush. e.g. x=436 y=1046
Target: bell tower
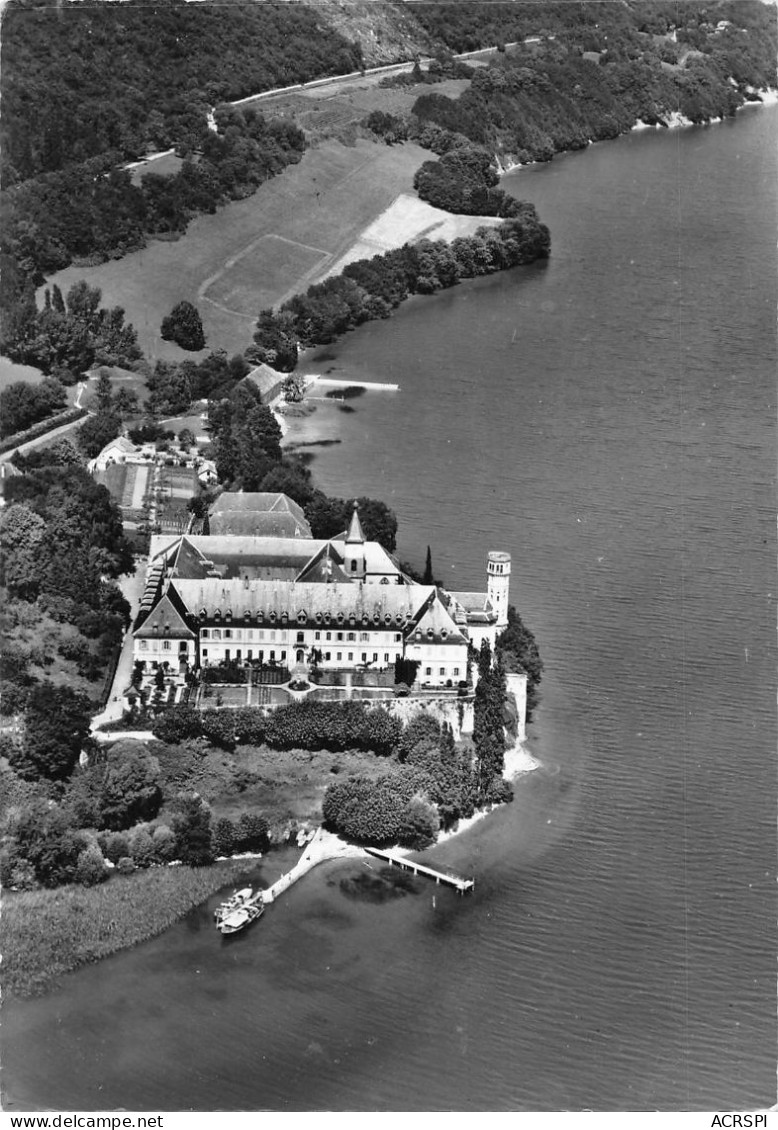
x=498 y=583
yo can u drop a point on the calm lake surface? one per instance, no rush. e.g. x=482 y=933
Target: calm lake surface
x=608 y=419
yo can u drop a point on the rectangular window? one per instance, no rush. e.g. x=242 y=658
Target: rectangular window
x=364 y=637
x=339 y=655
x=204 y=653
x=216 y=634
x=166 y=645
x=204 y=633
x=364 y=657
x=250 y=653
x=397 y=637
x=375 y=656
x=283 y=656
x=261 y=635
x=272 y=656
x=456 y=670
x=351 y=656
x=340 y=636
x=238 y=635
x=239 y=654
x=328 y=636
x=443 y=670
x=317 y=635
x=386 y=657
x=328 y=655
x=228 y=633
x=227 y=654
x=143 y=645
x=352 y=637
x=427 y=670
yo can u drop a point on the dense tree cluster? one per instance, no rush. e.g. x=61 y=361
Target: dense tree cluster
x=94 y=79
x=489 y=725
x=246 y=438
x=372 y=288
x=435 y=784
x=391 y=809
x=184 y=326
x=465 y=180
x=597 y=69
x=69 y=334
x=61 y=547
x=301 y=725
x=23 y=404
x=519 y=651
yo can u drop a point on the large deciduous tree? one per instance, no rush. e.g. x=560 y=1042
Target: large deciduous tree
x=56 y=729
x=184 y=326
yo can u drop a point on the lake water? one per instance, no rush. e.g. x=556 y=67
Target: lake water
x=609 y=419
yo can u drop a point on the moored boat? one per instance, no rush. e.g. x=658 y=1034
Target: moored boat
x=240 y=917
x=234 y=902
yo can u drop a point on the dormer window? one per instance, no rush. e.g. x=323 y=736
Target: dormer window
x=341 y=617
x=443 y=634
x=228 y=615
x=203 y=613
x=217 y=615
x=284 y=617
x=272 y=617
x=430 y=633
x=247 y=616
x=319 y=617
x=388 y=619
x=301 y=617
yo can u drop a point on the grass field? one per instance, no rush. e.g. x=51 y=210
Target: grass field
x=10 y=373
x=132 y=382
x=253 y=279
x=323 y=202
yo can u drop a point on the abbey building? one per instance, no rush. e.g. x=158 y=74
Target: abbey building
x=293 y=603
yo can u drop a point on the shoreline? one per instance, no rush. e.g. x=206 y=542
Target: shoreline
x=674 y=120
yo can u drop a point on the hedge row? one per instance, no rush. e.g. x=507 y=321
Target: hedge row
x=334 y=726
x=42 y=428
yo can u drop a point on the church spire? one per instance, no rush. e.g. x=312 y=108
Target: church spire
x=355 y=535
x=354 y=556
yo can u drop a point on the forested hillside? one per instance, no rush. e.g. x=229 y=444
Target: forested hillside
x=84 y=78
x=594 y=69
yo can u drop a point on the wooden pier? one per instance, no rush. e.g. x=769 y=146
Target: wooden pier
x=406 y=864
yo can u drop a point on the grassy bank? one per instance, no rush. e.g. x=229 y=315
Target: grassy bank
x=48 y=933
x=255 y=252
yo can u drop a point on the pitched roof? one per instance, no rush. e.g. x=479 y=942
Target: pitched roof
x=167 y=618
x=325 y=567
x=238 y=523
x=368 y=604
x=436 y=625
x=121 y=443
x=257 y=502
x=266 y=380
x=476 y=606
